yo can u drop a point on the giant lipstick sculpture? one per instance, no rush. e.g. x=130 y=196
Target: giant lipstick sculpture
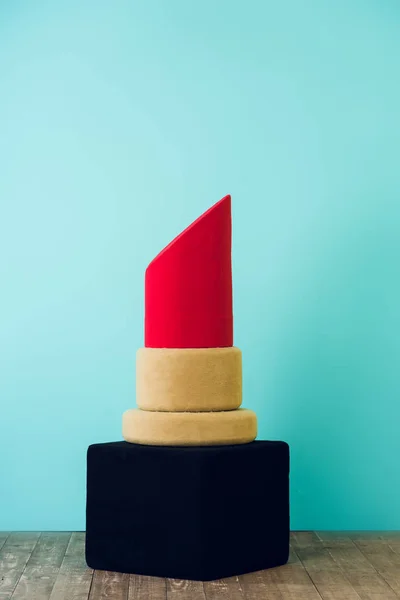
x=165 y=501
x=189 y=375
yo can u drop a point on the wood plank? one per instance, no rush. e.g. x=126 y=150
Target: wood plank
x=303 y=539
x=42 y=568
x=76 y=547
x=377 y=551
x=224 y=589
x=377 y=537
x=3 y=538
x=370 y=586
x=21 y=540
x=288 y=582
x=333 y=585
x=363 y=577
x=293 y=581
x=74 y=578
x=36 y=582
x=50 y=549
x=142 y=587
x=345 y=553
x=293 y=556
x=327 y=576
x=257 y=585
x=382 y=557
x=14 y=556
x=107 y=585
x=260 y=584
x=393 y=539
x=181 y=589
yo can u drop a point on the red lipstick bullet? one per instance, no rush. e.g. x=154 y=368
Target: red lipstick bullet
x=188 y=286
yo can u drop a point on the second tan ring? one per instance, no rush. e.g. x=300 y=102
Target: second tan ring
x=188 y=379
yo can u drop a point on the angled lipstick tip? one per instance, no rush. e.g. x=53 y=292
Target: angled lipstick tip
x=223 y=204
x=188 y=285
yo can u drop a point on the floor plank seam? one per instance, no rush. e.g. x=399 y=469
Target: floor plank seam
x=4 y=541
x=308 y=574
x=344 y=572
x=24 y=568
x=380 y=575
x=90 y=585
x=394 y=549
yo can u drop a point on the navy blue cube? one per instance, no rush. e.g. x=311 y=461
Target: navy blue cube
x=199 y=513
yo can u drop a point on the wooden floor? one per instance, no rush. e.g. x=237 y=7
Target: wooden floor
x=332 y=566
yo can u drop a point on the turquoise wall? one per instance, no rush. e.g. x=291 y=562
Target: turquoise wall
x=120 y=123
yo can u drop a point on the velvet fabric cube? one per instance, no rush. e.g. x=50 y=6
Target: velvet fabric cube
x=197 y=513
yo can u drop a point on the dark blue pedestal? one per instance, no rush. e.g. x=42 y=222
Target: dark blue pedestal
x=199 y=513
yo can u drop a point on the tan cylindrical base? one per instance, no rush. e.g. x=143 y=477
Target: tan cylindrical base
x=188 y=379
x=189 y=429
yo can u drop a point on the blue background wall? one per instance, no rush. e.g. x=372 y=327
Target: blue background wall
x=120 y=123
